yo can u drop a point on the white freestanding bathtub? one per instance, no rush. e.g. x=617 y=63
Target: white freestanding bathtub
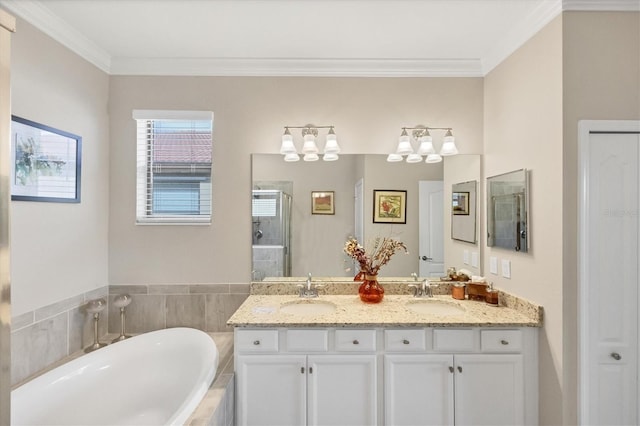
x=156 y=378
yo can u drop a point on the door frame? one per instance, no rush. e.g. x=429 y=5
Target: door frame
x=585 y=128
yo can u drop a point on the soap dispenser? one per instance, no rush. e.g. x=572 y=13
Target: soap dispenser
x=491 y=296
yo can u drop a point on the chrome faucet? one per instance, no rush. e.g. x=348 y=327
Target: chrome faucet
x=309 y=290
x=425 y=289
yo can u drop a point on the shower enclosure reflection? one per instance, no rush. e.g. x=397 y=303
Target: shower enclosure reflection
x=271 y=218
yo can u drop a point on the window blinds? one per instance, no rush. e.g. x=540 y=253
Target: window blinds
x=174 y=160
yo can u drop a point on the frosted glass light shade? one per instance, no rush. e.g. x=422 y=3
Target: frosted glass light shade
x=311 y=157
x=394 y=158
x=287 y=146
x=433 y=158
x=309 y=146
x=414 y=158
x=426 y=145
x=332 y=147
x=331 y=156
x=291 y=157
x=404 y=145
x=448 y=145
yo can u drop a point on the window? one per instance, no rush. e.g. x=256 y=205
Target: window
x=173 y=166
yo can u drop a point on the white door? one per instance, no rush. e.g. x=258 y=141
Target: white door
x=271 y=390
x=489 y=390
x=342 y=390
x=609 y=270
x=431 y=228
x=418 y=390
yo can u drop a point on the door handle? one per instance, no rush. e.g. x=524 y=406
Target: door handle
x=616 y=356
x=425 y=258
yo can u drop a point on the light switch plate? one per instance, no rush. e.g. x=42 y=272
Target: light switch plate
x=465 y=257
x=474 y=259
x=493 y=265
x=506 y=268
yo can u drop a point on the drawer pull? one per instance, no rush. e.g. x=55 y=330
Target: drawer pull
x=504 y=342
x=256 y=342
x=355 y=342
x=406 y=342
x=616 y=356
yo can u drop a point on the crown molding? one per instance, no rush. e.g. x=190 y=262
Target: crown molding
x=38 y=15
x=602 y=5
x=308 y=67
x=538 y=19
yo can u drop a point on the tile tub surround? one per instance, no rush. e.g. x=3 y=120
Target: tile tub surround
x=206 y=307
x=263 y=311
x=47 y=335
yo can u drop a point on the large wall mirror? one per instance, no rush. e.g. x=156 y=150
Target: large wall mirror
x=508 y=211
x=292 y=235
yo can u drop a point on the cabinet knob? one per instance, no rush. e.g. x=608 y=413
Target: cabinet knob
x=355 y=342
x=450 y=369
x=406 y=342
x=504 y=342
x=256 y=342
x=302 y=370
x=459 y=369
x=616 y=356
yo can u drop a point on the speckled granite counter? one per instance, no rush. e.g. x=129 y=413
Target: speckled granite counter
x=264 y=311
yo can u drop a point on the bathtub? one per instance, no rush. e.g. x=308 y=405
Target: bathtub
x=156 y=378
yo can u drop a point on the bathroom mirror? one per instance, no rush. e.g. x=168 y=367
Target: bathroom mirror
x=289 y=240
x=464 y=211
x=508 y=211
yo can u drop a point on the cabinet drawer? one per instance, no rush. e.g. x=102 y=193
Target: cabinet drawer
x=307 y=340
x=405 y=340
x=257 y=340
x=453 y=340
x=355 y=340
x=501 y=340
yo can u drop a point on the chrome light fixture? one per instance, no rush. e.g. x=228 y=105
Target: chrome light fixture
x=310 y=150
x=425 y=147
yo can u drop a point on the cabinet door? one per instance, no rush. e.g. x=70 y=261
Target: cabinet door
x=418 y=389
x=342 y=390
x=271 y=390
x=489 y=390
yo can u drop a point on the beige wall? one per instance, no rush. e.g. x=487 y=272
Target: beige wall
x=249 y=115
x=60 y=250
x=601 y=81
x=523 y=129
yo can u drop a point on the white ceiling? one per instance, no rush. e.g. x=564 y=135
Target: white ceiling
x=297 y=37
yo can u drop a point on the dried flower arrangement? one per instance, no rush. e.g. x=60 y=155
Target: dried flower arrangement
x=380 y=253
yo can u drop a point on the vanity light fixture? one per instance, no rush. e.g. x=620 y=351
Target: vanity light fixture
x=310 y=150
x=425 y=147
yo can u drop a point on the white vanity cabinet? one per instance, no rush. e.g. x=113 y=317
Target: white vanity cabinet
x=402 y=376
x=306 y=377
x=486 y=377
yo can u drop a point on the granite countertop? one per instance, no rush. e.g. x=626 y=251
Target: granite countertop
x=263 y=310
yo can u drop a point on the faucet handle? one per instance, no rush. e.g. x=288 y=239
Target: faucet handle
x=416 y=289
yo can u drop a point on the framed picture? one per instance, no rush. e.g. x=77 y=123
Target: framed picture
x=322 y=202
x=45 y=163
x=389 y=206
x=460 y=203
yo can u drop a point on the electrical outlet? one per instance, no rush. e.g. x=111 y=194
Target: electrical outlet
x=474 y=259
x=506 y=268
x=493 y=265
x=465 y=257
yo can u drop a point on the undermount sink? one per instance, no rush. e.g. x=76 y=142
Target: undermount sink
x=435 y=307
x=308 y=307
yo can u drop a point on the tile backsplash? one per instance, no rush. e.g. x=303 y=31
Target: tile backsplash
x=45 y=336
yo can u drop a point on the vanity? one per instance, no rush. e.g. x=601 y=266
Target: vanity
x=405 y=361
